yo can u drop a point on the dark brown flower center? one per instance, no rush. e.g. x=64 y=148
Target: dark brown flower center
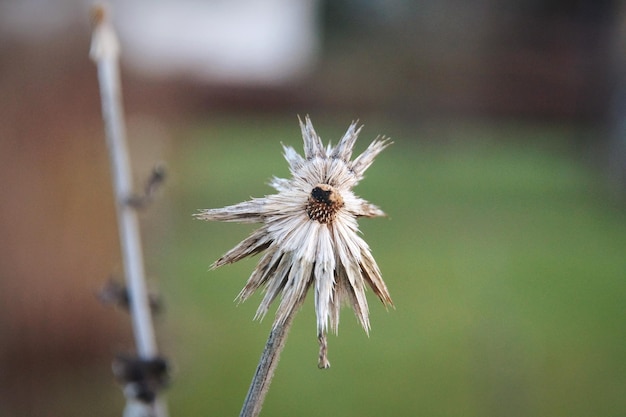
x=323 y=204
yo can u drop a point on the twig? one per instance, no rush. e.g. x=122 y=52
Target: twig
x=265 y=370
x=157 y=177
x=105 y=52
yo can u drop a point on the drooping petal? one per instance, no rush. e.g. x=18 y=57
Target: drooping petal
x=257 y=242
x=295 y=289
x=357 y=295
x=372 y=275
x=340 y=296
x=295 y=234
x=349 y=255
x=324 y=278
x=276 y=284
x=344 y=294
x=265 y=269
x=362 y=257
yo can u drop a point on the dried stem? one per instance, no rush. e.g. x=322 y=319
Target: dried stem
x=322 y=362
x=265 y=370
x=105 y=53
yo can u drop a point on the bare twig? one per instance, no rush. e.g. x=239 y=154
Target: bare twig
x=105 y=53
x=157 y=177
x=115 y=293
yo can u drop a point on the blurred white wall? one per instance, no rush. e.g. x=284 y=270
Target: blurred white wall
x=232 y=41
x=250 y=42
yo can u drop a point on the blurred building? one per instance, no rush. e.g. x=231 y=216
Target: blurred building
x=524 y=58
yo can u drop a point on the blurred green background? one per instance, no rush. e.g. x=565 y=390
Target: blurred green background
x=503 y=249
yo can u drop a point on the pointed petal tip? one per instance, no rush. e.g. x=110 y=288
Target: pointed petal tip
x=199 y=215
x=306 y=123
x=366 y=327
x=376 y=213
x=260 y=315
x=388 y=302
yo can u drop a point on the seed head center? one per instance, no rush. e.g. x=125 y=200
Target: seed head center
x=323 y=204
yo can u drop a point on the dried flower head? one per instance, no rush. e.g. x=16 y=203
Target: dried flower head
x=310 y=234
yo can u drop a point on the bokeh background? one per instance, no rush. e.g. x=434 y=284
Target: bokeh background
x=505 y=245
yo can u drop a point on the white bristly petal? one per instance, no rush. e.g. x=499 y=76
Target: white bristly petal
x=246 y=212
x=363 y=161
x=275 y=285
x=262 y=273
x=343 y=150
x=360 y=208
x=324 y=279
x=293 y=158
x=257 y=242
x=295 y=289
x=313 y=147
x=348 y=251
x=280 y=184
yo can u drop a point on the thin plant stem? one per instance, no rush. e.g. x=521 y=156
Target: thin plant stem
x=105 y=52
x=265 y=370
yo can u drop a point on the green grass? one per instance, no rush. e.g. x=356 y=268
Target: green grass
x=503 y=254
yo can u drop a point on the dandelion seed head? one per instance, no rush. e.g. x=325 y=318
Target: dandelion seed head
x=309 y=233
